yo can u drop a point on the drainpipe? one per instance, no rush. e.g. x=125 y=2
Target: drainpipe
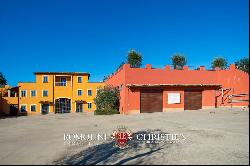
x=54 y=94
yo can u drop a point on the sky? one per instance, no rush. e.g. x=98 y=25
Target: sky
x=95 y=35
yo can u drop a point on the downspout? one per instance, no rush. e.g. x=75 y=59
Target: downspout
x=53 y=99
x=72 y=94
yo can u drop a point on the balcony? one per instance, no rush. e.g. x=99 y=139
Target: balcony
x=60 y=83
x=63 y=80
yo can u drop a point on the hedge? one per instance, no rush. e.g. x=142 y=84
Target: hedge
x=106 y=112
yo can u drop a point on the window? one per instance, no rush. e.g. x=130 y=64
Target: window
x=89 y=105
x=23 y=93
x=32 y=93
x=63 y=81
x=45 y=93
x=79 y=79
x=89 y=92
x=45 y=79
x=23 y=108
x=33 y=108
x=79 y=92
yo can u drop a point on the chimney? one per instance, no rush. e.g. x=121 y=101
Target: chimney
x=148 y=66
x=202 y=68
x=167 y=67
x=185 y=67
x=232 y=67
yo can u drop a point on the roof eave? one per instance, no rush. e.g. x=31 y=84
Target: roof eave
x=65 y=73
x=173 y=85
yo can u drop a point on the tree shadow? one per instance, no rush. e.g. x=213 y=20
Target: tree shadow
x=107 y=153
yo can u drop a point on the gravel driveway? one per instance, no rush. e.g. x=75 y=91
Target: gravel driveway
x=220 y=137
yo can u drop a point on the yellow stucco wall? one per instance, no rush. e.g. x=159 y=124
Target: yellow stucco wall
x=54 y=92
x=6 y=101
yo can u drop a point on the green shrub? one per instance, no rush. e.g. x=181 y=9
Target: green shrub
x=106 y=112
x=107 y=101
x=107 y=98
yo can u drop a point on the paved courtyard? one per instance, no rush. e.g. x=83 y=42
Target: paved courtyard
x=218 y=136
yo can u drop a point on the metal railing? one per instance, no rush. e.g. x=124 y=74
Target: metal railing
x=239 y=98
x=60 y=83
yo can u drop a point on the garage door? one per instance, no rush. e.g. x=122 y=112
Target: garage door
x=151 y=101
x=192 y=99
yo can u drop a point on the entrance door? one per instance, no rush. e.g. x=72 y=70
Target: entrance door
x=79 y=107
x=62 y=105
x=45 y=108
x=192 y=99
x=151 y=101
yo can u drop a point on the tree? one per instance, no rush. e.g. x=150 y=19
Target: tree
x=134 y=59
x=178 y=61
x=3 y=81
x=107 y=100
x=243 y=64
x=219 y=62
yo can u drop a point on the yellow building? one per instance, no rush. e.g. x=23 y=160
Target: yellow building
x=57 y=92
x=8 y=99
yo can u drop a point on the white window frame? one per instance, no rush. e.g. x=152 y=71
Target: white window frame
x=78 y=78
x=88 y=105
x=47 y=78
x=21 y=93
x=88 y=92
x=31 y=93
x=33 y=105
x=21 y=107
x=77 y=92
x=47 y=93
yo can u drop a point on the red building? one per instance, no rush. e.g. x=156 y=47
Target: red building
x=156 y=90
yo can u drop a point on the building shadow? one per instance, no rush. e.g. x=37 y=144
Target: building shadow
x=107 y=153
x=8 y=110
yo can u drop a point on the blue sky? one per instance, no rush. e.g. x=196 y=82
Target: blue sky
x=95 y=35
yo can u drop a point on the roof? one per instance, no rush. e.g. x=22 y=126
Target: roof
x=80 y=101
x=183 y=85
x=15 y=87
x=65 y=73
x=46 y=101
